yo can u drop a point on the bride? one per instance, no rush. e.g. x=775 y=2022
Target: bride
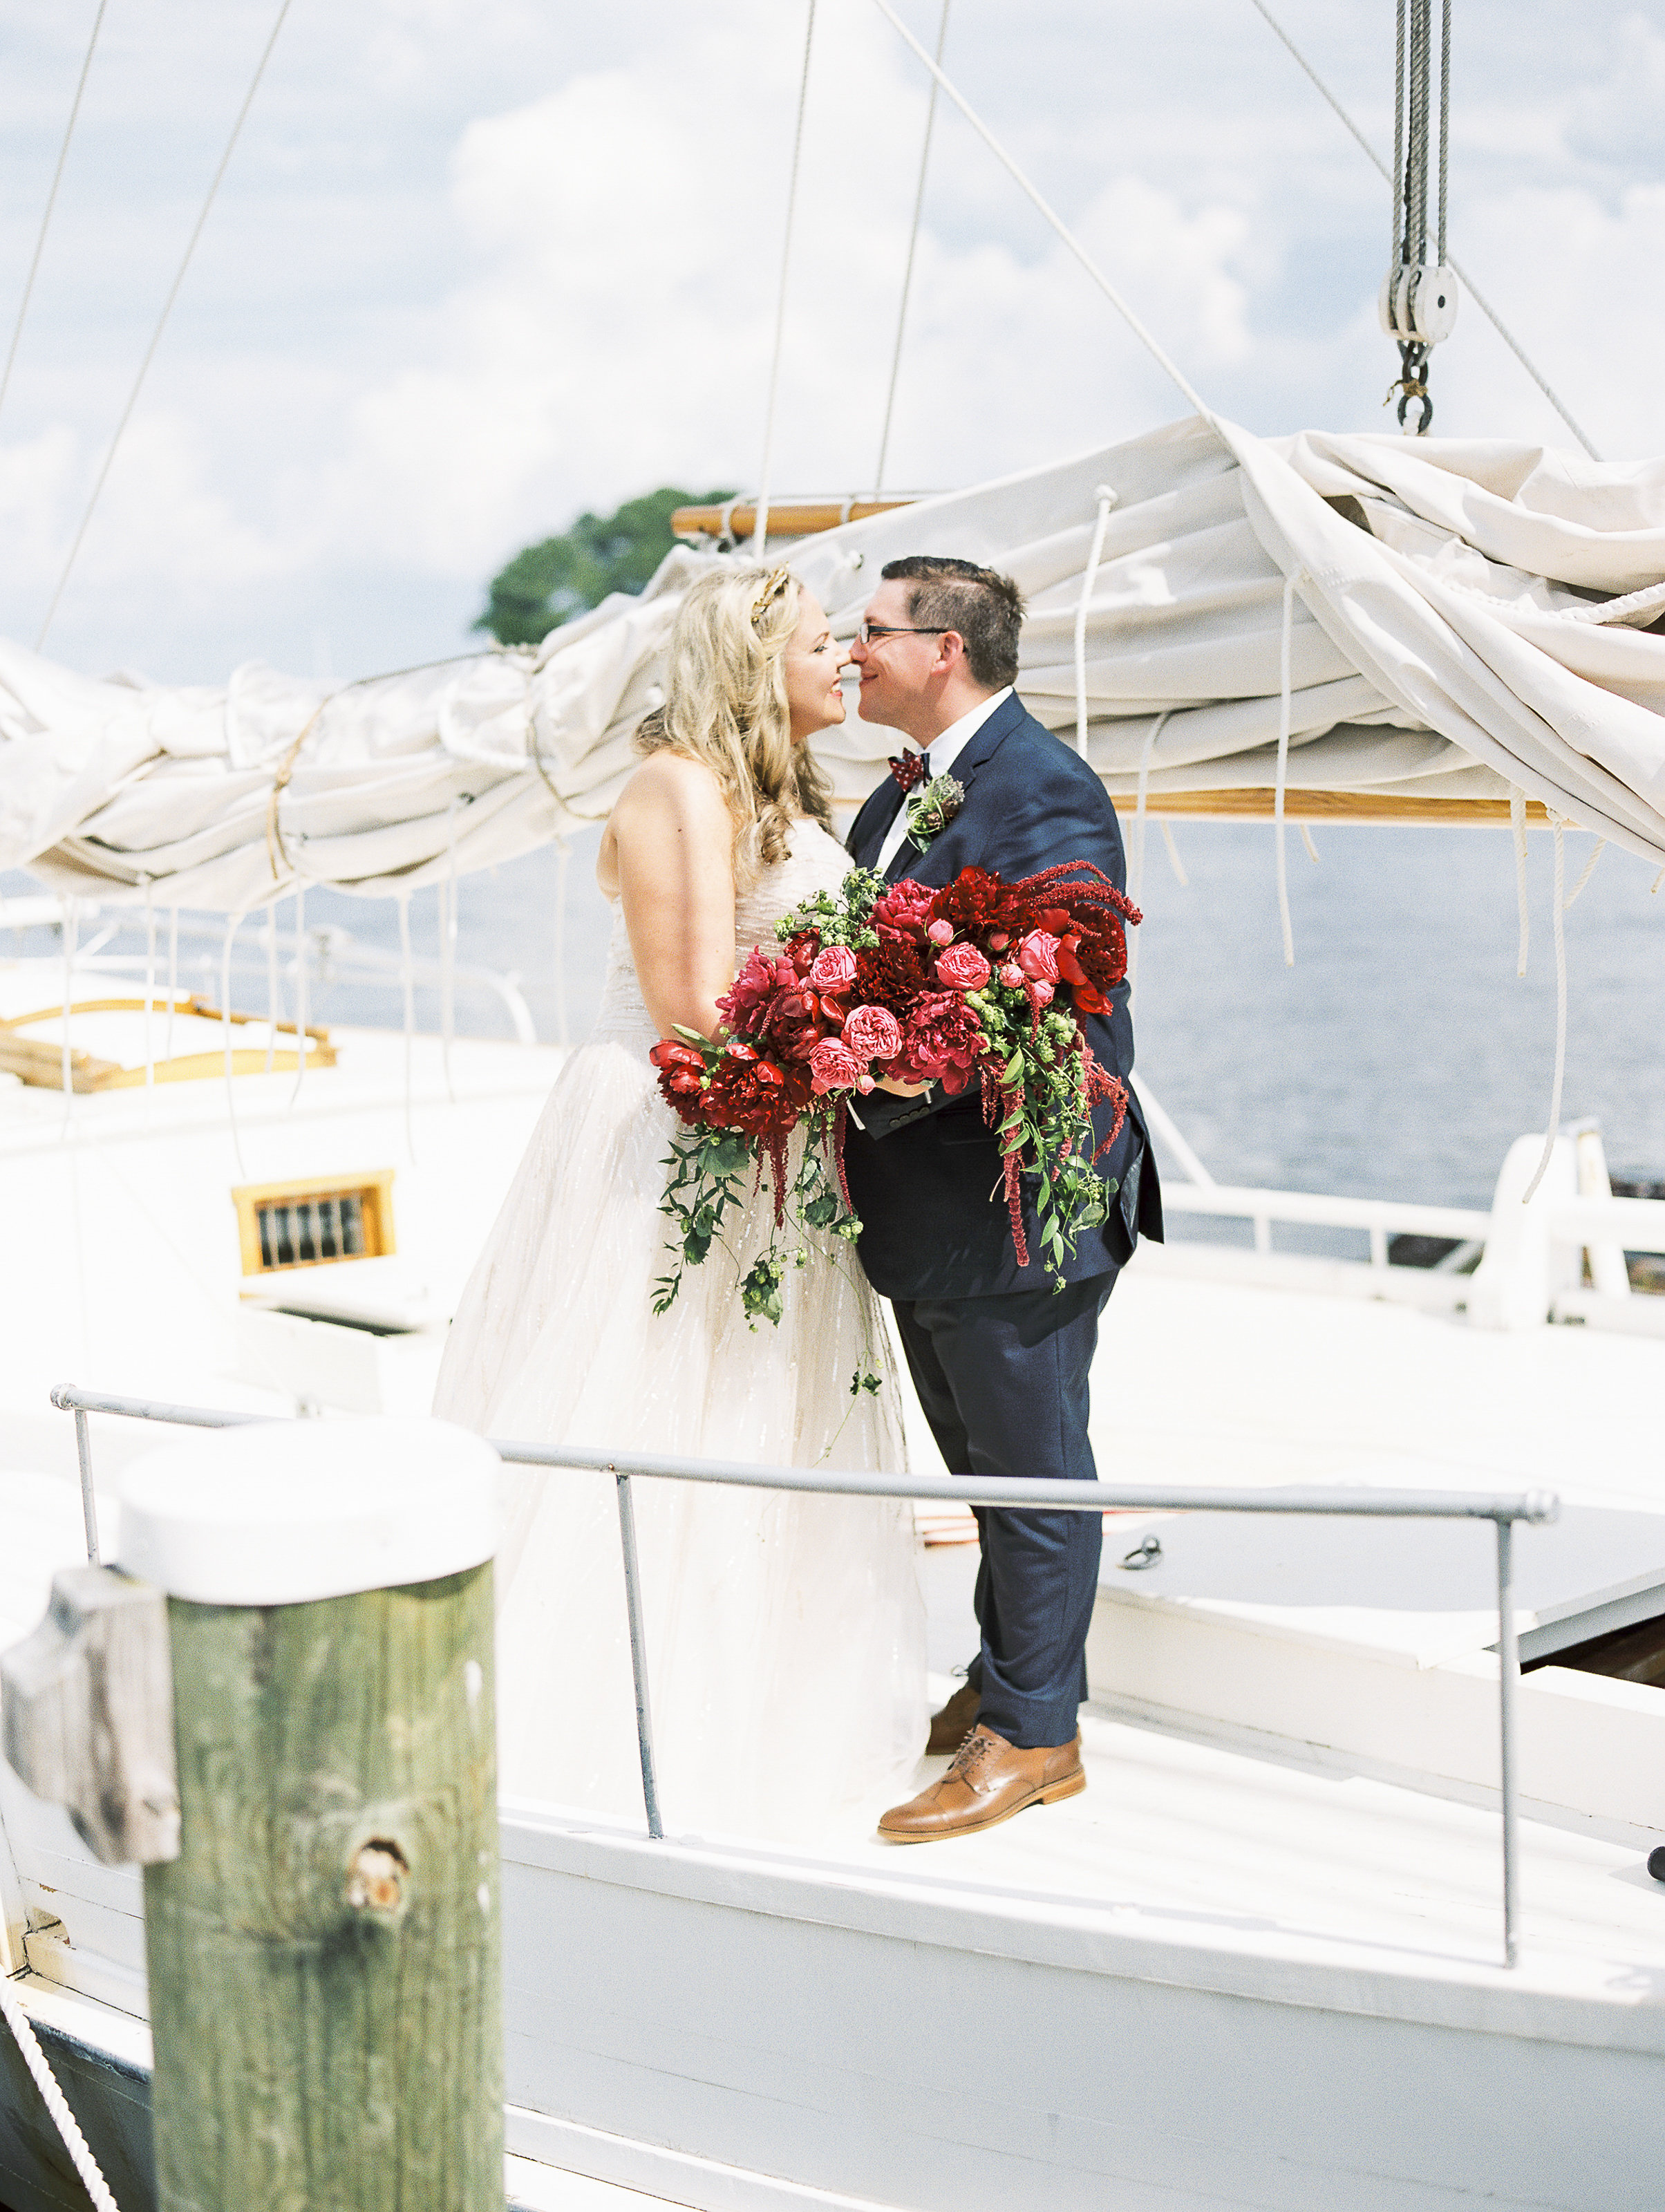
x=785 y=1631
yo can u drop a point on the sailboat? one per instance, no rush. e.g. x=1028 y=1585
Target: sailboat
x=1261 y=1961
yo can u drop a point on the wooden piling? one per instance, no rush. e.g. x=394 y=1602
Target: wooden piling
x=324 y=1953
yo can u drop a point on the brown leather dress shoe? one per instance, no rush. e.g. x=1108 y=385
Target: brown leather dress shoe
x=989 y=1781
x=951 y=1727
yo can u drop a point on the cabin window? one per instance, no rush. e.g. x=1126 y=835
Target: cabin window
x=304 y=1224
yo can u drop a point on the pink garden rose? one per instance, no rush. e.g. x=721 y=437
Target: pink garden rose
x=963 y=968
x=1012 y=976
x=833 y=1066
x=1040 y=991
x=872 y=1033
x=1038 y=956
x=941 y=933
x=834 y=968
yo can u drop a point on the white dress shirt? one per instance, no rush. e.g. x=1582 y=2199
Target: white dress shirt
x=945 y=752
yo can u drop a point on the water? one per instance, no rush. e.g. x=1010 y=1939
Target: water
x=1399 y=1057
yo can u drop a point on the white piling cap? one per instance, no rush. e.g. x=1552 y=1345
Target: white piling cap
x=291 y=1512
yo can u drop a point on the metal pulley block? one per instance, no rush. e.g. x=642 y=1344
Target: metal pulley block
x=1417 y=302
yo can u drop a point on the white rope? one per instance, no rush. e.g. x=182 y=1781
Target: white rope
x=1106 y=499
x=301 y=996
x=173 y=979
x=1467 y=281
x=1306 y=839
x=1577 y=892
x=407 y=976
x=23 y=2034
x=1063 y=230
x=1290 y=582
x=1138 y=888
x=149 y=997
x=760 y=529
x=233 y=925
x=562 y=853
x=161 y=323
x=1558 y=824
x=52 y=201
x=908 y=270
x=1174 y=860
x=71 y=926
x=1654 y=886
x=1517 y=828
x=271 y=986
x=448 y=949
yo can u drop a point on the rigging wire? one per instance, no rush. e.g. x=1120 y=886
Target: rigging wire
x=1468 y=281
x=161 y=321
x=907 y=271
x=52 y=201
x=760 y=530
x=1138 y=328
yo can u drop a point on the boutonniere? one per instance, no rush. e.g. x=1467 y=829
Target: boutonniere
x=930 y=814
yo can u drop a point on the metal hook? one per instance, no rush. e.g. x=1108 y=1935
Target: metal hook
x=1413 y=382
x=1145 y=1553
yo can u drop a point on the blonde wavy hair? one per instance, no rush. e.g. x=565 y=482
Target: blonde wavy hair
x=725 y=705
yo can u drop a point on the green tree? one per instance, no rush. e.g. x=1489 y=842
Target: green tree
x=545 y=585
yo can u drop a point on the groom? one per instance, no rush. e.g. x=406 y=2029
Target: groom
x=1000 y=1358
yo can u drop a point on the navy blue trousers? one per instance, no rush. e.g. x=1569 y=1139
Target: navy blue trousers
x=1003 y=1382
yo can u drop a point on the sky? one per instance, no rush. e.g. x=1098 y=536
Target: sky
x=477 y=264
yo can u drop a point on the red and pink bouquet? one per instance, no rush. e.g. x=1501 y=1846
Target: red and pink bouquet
x=982 y=982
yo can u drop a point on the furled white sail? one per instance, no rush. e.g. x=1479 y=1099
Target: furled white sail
x=1464 y=619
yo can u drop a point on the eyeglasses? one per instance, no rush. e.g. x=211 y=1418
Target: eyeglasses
x=869 y=632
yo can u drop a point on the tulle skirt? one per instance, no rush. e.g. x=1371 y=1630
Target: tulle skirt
x=785 y=1633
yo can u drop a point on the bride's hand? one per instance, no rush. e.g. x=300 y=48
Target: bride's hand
x=901 y=1089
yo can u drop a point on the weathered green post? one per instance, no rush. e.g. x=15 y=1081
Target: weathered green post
x=324 y=1953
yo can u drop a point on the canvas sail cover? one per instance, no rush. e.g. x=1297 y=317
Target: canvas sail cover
x=1468 y=619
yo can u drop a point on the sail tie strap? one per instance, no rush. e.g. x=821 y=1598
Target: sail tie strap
x=1558 y=824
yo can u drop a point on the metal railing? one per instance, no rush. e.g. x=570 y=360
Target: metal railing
x=1502 y=1509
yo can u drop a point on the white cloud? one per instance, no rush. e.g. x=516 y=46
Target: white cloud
x=476 y=268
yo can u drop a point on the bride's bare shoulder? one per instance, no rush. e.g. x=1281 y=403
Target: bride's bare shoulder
x=673 y=789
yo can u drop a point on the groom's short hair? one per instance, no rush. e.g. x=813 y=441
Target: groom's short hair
x=983 y=606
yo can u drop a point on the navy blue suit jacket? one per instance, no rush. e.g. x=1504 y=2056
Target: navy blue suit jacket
x=925 y=1173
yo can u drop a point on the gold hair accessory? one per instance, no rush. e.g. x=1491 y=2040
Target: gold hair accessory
x=773 y=583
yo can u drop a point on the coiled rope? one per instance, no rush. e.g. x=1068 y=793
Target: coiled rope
x=23 y=2034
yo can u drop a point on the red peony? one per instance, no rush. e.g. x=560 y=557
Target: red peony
x=904 y=911
x=941 y=1041
x=833 y=1066
x=963 y=968
x=834 y=970
x=746 y=1007
x=872 y=1033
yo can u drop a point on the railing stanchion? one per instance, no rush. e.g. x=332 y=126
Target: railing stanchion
x=627 y=1534
x=88 y=1501
x=1508 y=1676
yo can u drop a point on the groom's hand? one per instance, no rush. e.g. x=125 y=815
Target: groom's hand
x=901 y=1089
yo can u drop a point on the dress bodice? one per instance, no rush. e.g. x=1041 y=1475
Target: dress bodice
x=816 y=862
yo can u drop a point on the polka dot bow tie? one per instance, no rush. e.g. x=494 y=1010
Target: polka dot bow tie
x=911 y=769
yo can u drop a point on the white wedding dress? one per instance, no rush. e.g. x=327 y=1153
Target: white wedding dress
x=786 y=1632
